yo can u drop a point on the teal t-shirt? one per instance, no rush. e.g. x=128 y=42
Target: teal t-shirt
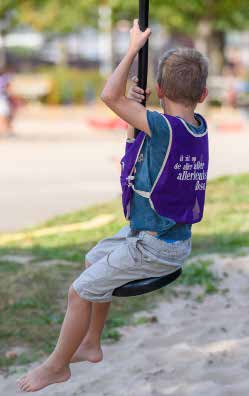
x=150 y=160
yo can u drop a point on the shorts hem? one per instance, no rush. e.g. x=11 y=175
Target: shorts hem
x=89 y=297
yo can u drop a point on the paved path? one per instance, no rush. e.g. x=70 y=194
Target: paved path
x=56 y=164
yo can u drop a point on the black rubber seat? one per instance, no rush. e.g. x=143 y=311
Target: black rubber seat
x=142 y=286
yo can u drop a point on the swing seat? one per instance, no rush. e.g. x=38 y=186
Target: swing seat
x=142 y=286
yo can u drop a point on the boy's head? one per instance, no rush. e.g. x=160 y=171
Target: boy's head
x=182 y=75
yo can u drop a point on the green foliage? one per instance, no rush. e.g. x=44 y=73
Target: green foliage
x=65 y=16
x=182 y=16
x=58 y=15
x=70 y=85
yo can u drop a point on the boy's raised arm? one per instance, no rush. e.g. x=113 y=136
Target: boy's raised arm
x=113 y=93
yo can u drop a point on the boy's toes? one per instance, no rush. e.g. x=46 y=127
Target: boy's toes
x=24 y=384
x=21 y=381
x=26 y=388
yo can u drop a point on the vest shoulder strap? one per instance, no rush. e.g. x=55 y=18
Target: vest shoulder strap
x=147 y=194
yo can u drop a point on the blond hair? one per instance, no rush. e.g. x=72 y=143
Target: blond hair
x=182 y=75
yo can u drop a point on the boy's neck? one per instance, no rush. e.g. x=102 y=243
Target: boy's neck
x=179 y=110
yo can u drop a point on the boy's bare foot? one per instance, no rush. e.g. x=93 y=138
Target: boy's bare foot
x=43 y=376
x=87 y=352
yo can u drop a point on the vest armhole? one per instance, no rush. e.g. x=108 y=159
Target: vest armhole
x=166 y=154
x=140 y=148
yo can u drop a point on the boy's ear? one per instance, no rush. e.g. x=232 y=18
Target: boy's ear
x=204 y=95
x=159 y=91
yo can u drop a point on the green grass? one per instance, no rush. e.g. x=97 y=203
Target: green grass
x=225 y=227
x=33 y=298
x=199 y=273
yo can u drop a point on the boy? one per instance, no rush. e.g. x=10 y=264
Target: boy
x=163 y=181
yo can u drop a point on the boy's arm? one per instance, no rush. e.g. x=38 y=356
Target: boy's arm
x=113 y=93
x=130 y=133
x=137 y=94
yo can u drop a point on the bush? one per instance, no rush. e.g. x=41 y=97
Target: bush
x=71 y=85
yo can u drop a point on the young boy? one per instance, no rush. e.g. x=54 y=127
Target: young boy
x=163 y=180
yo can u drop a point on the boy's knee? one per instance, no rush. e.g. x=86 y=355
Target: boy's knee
x=73 y=295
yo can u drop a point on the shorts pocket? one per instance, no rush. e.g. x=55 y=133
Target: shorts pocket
x=147 y=252
x=178 y=251
x=125 y=257
x=175 y=252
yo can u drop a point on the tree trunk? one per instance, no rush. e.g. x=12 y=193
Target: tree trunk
x=2 y=52
x=211 y=43
x=216 y=47
x=105 y=39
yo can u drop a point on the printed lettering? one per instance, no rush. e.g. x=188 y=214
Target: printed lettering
x=187 y=166
x=200 y=186
x=185 y=175
x=199 y=165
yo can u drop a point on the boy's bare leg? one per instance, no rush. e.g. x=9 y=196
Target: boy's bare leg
x=56 y=367
x=90 y=348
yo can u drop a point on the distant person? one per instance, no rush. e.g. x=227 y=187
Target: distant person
x=230 y=97
x=163 y=178
x=6 y=104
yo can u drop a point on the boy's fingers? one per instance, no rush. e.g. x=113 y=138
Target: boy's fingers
x=135 y=22
x=147 y=32
x=134 y=79
x=136 y=96
x=138 y=90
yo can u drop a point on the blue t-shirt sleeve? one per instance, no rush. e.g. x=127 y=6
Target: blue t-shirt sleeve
x=159 y=129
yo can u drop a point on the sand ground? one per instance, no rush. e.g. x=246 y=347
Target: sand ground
x=194 y=349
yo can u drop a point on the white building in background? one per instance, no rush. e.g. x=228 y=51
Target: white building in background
x=83 y=44
x=24 y=37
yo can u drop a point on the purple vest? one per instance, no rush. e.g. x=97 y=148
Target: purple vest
x=179 y=189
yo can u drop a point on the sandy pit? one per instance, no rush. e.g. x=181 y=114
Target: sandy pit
x=194 y=349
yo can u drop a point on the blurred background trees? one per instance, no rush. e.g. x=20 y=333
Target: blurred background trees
x=94 y=33
x=206 y=21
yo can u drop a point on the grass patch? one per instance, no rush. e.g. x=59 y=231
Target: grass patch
x=199 y=273
x=33 y=298
x=225 y=226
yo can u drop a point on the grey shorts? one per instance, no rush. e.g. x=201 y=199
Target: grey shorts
x=127 y=256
